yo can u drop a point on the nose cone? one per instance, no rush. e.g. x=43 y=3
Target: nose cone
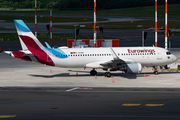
x=174 y=58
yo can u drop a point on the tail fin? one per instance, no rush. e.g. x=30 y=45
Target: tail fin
x=31 y=43
x=26 y=37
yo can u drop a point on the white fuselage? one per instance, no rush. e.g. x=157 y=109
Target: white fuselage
x=81 y=57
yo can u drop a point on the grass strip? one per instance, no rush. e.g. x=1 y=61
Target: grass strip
x=125 y=25
x=45 y=19
x=13 y=37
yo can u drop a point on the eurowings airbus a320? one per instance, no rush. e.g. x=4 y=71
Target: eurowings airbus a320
x=127 y=59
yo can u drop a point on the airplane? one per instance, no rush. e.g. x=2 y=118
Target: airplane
x=128 y=59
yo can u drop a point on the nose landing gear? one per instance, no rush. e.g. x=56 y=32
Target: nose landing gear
x=93 y=72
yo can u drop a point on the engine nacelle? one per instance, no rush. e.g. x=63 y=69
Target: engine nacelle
x=132 y=68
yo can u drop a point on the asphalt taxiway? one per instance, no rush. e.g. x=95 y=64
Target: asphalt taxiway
x=89 y=103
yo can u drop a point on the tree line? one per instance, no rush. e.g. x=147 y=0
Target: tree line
x=15 y=4
x=107 y=4
x=81 y=4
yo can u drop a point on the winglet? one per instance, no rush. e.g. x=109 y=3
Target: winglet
x=47 y=45
x=115 y=57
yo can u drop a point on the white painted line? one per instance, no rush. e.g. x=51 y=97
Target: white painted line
x=85 y=88
x=72 y=89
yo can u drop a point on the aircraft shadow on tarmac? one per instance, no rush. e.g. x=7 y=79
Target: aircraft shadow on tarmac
x=128 y=76
x=100 y=74
x=86 y=74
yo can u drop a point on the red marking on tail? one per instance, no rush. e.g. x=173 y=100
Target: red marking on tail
x=41 y=55
x=19 y=54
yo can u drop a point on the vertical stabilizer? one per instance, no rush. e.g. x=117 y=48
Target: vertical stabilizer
x=31 y=43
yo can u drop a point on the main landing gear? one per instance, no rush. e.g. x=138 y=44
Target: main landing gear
x=93 y=72
x=107 y=74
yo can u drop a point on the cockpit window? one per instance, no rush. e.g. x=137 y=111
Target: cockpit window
x=168 y=53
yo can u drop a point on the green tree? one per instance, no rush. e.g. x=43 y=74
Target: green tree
x=15 y=5
x=42 y=5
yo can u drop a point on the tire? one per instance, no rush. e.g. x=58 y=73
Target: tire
x=107 y=74
x=93 y=72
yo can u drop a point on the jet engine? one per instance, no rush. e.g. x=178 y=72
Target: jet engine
x=132 y=68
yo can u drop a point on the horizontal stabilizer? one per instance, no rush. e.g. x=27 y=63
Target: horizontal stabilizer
x=8 y=52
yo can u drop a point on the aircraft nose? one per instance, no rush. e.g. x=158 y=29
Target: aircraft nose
x=174 y=58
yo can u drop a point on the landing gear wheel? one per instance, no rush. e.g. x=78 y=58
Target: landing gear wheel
x=93 y=72
x=107 y=74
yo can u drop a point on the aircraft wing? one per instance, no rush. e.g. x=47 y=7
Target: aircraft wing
x=116 y=60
